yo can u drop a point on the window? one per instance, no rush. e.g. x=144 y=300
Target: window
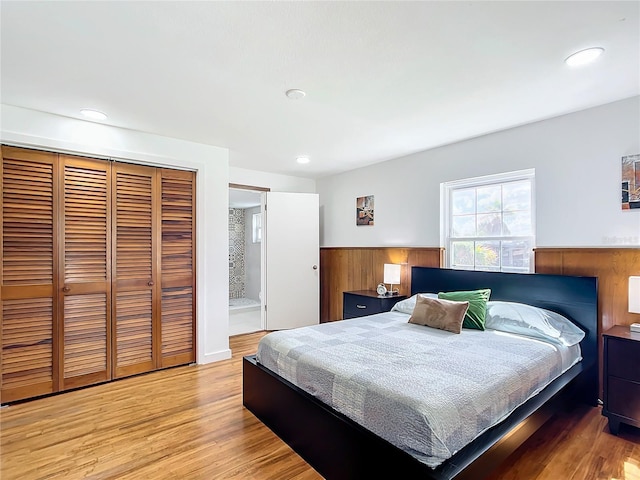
x=257 y=227
x=489 y=222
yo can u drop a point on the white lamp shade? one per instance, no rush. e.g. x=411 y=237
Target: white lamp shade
x=634 y=294
x=392 y=273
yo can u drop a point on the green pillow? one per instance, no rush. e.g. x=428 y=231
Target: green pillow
x=477 y=311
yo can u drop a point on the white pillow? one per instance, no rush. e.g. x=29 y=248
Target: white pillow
x=533 y=322
x=407 y=306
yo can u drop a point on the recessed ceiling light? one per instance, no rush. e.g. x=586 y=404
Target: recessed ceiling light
x=584 y=56
x=93 y=114
x=302 y=160
x=295 y=93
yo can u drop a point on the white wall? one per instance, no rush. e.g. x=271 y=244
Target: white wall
x=577 y=159
x=36 y=129
x=274 y=181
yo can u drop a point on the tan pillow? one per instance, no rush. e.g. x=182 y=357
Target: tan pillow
x=437 y=313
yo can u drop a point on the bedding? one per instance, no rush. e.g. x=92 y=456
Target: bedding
x=429 y=392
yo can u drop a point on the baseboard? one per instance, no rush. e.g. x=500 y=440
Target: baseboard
x=215 y=356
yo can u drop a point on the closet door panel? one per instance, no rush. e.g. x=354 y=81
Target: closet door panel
x=177 y=267
x=177 y=325
x=27 y=355
x=134 y=350
x=85 y=339
x=85 y=275
x=135 y=248
x=28 y=308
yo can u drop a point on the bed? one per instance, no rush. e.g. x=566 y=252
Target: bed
x=339 y=447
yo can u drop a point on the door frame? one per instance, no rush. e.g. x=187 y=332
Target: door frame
x=263 y=276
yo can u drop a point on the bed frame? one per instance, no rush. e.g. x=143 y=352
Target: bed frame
x=339 y=448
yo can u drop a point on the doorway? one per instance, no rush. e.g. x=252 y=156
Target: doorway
x=245 y=261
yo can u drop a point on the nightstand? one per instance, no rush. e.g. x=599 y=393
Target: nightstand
x=621 y=377
x=367 y=302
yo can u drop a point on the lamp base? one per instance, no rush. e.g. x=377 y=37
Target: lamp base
x=391 y=292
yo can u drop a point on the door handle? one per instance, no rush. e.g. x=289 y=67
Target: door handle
x=66 y=289
x=150 y=283
x=315 y=267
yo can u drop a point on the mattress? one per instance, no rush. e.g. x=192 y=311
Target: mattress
x=426 y=391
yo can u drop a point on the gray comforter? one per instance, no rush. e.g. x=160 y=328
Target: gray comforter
x=428 y=392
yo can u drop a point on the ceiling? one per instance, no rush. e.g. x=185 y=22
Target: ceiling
x=383 y=79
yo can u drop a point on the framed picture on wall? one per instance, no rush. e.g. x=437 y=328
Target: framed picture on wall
x=364 y=210
x=631 y=182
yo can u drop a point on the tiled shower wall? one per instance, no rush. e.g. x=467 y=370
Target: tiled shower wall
x=236 y=253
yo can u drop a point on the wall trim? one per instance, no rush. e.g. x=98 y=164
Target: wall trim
x=239 y=186
x=216 y=356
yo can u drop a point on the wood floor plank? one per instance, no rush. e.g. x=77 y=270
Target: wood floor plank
x=189 y=423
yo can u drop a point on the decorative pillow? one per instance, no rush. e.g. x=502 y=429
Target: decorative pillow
x=442 y=314
x=407 y=306
x=477 y=305
x=533 y=322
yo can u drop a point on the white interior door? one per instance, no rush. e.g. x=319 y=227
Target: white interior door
x=292 y=254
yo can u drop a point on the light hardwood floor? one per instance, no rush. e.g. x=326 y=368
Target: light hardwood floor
x=189 y=423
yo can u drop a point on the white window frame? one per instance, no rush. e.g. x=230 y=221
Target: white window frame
x=446 y=190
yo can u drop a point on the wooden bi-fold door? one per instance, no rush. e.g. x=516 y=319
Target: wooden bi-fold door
x=177 y=270
x=135 y=269
x=28 y=281
x=97 y=277
x=85 y=271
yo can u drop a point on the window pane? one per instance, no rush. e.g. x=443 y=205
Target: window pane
x=257 y=227
x=516 y=255
x=463 y=201
x=480 y=214
x=463 y=226
x=462 y=254
x=488 y=255
x=517 y=223
x=489 y=225
x=516 y=196
x=489 y=199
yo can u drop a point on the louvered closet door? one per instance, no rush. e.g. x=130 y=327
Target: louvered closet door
x=135 y=210
x=85 y=273
x=178 y=267
x=28 y=337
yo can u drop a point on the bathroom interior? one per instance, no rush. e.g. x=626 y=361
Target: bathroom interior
x=245 y=251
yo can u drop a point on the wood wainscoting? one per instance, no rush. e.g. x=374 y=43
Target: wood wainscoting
x=612 y=266
x=345 y=269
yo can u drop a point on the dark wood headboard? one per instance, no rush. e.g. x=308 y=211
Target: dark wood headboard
x=573 y=297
